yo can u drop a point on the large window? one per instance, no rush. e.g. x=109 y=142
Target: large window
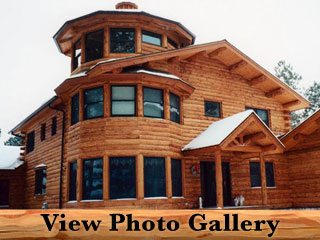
x=76 y=54
x=73 y=181
x=154 y=177
x=30 y=142
x=263 y=114
x=212 y=109
x=123 y=101
x=153 y=102
x=270 y=174
x=122 y=40
x=75 y=109
x=176 y=175
x=255 y=174
x=122 y=177
x=92 y=179
x=93 y=103
x=151 y=38
x=94 y=45
x=174 y=108
x=53 y=126
x=4 y=192
x=40 y=181
x=43 y=132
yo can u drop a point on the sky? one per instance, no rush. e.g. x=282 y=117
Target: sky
x=266 y=30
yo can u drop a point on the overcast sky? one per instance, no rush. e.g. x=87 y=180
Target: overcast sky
x=265 y=30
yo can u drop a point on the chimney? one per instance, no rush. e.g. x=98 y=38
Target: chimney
x=126 y=5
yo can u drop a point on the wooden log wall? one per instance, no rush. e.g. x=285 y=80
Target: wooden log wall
x=304 y=170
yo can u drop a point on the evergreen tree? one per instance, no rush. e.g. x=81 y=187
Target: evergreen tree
x=285 y=73
x=313 y=95
x=13 y=141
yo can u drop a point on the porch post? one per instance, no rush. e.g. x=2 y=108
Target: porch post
x=263 y=180
x=219 y=178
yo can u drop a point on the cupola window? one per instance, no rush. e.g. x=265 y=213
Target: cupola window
x=76 y=54
x=93 y=103
x=75 y=109
x=123 y=101
x=153 y=102
x=151 y=38
x=94 y=45
x=122 y=40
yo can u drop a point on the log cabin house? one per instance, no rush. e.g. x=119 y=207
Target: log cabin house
x=148 y=119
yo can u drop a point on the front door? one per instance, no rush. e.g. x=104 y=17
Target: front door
x=208 y=184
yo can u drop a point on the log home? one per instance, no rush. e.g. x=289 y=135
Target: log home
x=148 y=119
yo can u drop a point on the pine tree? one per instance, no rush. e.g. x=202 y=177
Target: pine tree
x=13 y=141
x=313 y=95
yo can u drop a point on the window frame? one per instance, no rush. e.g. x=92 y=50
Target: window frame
x=75 y=57
x=28 y=150
x=86 y=42
x=135 y=101
x=43 y=132
x=220 y=108
x=179 y=99
x=111 y=29
x=84 y=103
x=261 y=109
x=72 y=121
x=159 y=89
x=39 y=185
x=53 y=126
x=83 y=182
x=151 y=34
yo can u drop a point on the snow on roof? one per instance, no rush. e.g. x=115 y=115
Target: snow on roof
x=218 y=131
x=40 y=165
x=9 y=157
x=157 y=73
x=80 y=74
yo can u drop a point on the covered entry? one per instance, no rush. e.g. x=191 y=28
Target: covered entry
x=241 y=133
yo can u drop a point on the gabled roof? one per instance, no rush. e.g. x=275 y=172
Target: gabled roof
x=243 y=131
x=234 y=60
x=299 y=134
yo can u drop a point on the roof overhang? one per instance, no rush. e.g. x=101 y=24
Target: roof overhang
x=300 y=133
x=242 y=132
x=234 y=61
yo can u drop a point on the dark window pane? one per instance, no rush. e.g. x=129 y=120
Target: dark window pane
x=123 y=102
x=92 y=179
x=176 y=175
x=75 y=109
x=53 y=126
x=263 y=114
x=76 y=54
x=270 y=174
x=212 y=109
x=152 y=38
x=94 y=45
x=4 y=192
x=73 y=181
x=255 y=174
x=30 y=142
x=172 y=43
x=174 y=108
x=122 y=40
x=41 y=181
x=154 y=177
x=122 y=177
x=153 y=102
x=43 y=132
x=93 y=103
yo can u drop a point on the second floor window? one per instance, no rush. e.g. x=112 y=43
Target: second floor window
x=174 y=108
x=30 y=142
x=43 y=132
x=75 y=109
x=53 y=126
x=212 y=109
x=151 y=38
x=93 y=103
x=122 y=40
x=76 y=54
x=153 y=102
x=262 y=113
x=40 y=181
x=123 y=101
x=94 y=45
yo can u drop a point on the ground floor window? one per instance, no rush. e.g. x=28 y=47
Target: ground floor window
x=122 y=177
x=255 y=175
x=40 y=181
x=154 y=177
x=92 y=179
x=270 y=174
x=176 y=175
x=4 y=192
x=73 y=181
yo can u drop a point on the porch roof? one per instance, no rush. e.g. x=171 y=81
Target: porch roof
x=243 y=132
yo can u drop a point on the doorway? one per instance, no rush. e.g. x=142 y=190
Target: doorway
x=208 y=184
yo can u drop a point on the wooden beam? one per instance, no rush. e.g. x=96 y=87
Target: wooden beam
x=243 y=148
x=166 y=104
x=217 y=52
x=173 y=60
x=149 y=64
x=117 y=70
x=290 y=104
x=257 y=80
x=254 y=137
x=197 y=55
x=106 y=194
x=237 y=65
x=318 y=121
x=168 y=177
x=219 y=185
x=140 y=177
x=299 y=137
x=275 y=92
x=268 y=148
x=140 y=100
x=263 y=180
